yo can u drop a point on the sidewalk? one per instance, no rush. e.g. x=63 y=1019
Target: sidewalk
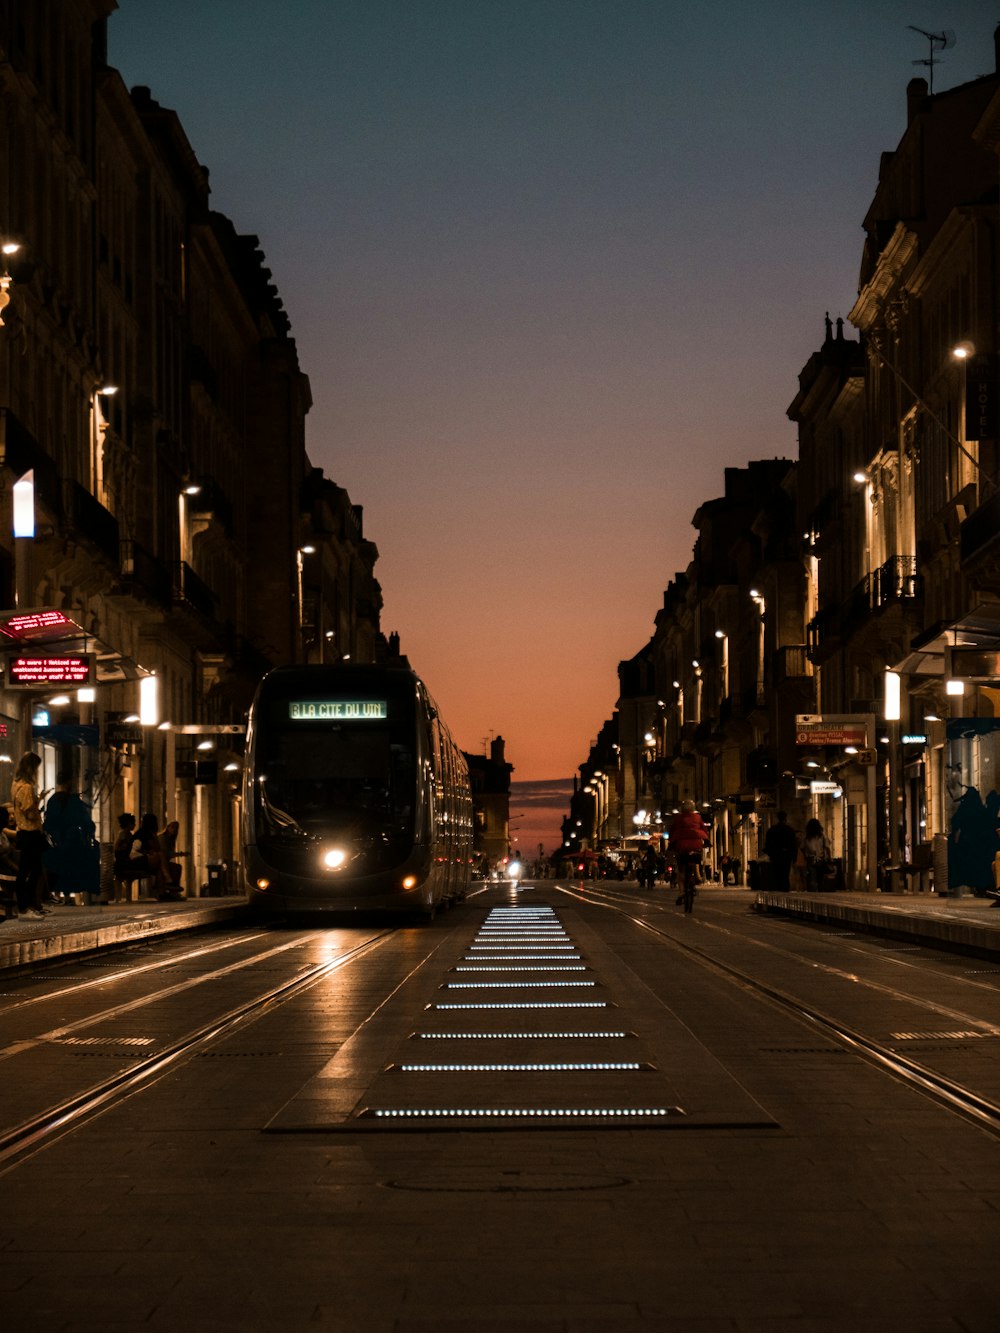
x=967 y=924
x=65 y=932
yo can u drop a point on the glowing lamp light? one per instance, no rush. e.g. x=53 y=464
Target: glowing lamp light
x=954 y=687
x=514 y=870
x=963 y=350
x=334 y=858
x=891 y=711
x=24 y=505
x=149 y=701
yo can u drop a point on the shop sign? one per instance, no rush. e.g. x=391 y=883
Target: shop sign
x=973 y=663
x=33 y=670
x=980 y=399
x=815 y=729
x=41 y=626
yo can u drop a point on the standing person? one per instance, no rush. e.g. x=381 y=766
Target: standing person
x=688 y=836
x=817 y=853
x=781 y=845
x=73 y=859
x=647 y=870
x=168 y=851
x=29 y=840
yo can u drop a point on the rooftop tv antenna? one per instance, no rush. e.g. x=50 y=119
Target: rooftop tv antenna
x=939 y=41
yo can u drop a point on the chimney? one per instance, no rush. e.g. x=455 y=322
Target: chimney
x=916 y=99
x=496 y=750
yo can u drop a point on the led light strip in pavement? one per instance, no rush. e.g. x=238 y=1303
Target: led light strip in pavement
x=520 y=1036
x=546 y=1067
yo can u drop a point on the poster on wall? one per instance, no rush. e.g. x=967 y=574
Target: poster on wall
x=972 y=797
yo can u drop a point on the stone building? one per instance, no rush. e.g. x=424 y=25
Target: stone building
x=834 y=645
x=151 y=393
x=489 y=778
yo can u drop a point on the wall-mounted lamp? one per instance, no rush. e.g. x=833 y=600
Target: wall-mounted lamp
x=24 y=505
x=963 y=350
x=954 y=687
x=149 y=701
x=892 y=697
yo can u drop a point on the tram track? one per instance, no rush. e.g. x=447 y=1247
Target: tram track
x=955 y=1097
x=40 y=1130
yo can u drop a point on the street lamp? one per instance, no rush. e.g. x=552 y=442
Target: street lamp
x=301 y=551
x=8 y=248
x=760 y=602
x=723 y=638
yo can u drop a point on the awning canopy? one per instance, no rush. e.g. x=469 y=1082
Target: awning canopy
x=47 y=627
x=980 y=628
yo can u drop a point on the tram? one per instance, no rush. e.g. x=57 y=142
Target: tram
x=355 y=795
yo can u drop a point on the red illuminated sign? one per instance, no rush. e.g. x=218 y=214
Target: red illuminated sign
x=41 y=626
x=32 y=670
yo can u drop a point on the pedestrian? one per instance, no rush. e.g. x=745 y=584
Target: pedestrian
x=688 y=835
x=29 y=839
x=647 y=869
x=147 y=859
x=168 y=851
x=781 y=844
x=72 y=859
x=123 y=846
x=816 y=851
x=8 y=864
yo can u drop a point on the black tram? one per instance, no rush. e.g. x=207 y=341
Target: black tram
x=355 y=796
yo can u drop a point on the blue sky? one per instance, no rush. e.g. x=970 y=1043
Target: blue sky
x=551 y=265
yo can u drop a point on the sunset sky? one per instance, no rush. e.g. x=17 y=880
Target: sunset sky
x=551 y=266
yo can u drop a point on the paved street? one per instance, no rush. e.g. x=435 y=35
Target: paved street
x=833 y=1197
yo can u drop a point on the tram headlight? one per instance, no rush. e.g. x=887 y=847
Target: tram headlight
x=514 y=869
x=334 y=858
x=410 y=882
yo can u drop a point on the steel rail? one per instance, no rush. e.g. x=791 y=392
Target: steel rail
x=960 y=1100
x=75 y=987
x=40 y=1130
x=141 y=1001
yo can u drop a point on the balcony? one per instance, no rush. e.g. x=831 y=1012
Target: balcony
x=87 y=518
x=190 y=591
x=895 y=583
x=979 y=544
x=792 y=662
x=143 y=577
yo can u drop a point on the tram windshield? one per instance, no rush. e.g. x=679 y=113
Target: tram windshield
x=317 y=778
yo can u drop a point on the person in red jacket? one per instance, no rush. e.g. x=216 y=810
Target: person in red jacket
x=688 y=835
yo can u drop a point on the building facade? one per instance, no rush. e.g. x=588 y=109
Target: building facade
x=152 y=408
x=834 y=646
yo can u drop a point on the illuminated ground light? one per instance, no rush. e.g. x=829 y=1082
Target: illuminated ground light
x=560 y=1067
x=505 y=985
x=527 y=1004
x=522 y=957
x=496 y=967
x=518 y=1036
x=524 y=1113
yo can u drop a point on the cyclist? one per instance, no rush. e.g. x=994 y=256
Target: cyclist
x=688 y=835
